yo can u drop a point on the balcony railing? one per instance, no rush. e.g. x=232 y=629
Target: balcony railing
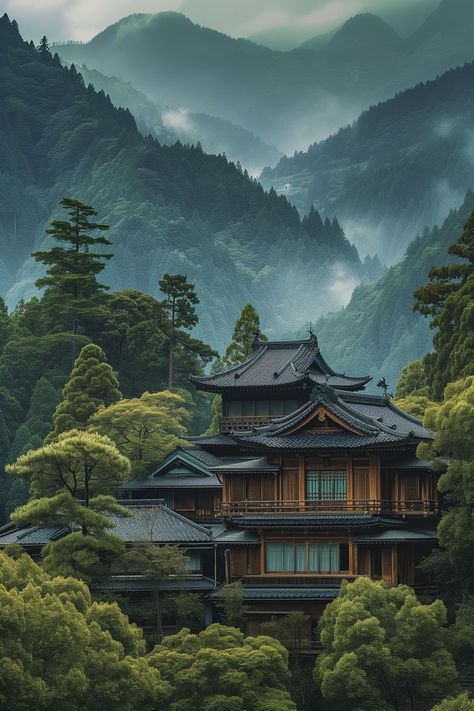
x=329 y=580
x=237 y=424
x=362 y=506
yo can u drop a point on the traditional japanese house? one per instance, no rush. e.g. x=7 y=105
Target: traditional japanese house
x=320 y=480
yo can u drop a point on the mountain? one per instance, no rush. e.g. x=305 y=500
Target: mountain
x=170 y=124
x=289 y=99
x=378 y=332
x=402 y=165
x=170 y=208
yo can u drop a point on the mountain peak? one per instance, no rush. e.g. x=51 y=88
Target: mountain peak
x=364 y=31
x=448 y=16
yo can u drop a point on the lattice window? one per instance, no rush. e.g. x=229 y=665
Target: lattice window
x=326 y=485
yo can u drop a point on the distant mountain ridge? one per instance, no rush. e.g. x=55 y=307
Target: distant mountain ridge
x=170 y=208
x=402 y=165
x=290 y=98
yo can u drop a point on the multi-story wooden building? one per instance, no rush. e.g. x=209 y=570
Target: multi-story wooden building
x=320 y=480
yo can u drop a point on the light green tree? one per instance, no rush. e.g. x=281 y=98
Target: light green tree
x=145 y=429
x=231 y=602
x=220 y=668
x=384 y=650
x=72 y=480
x=60 y=650
x=415 y=405
x=412 y=380
x=92 y=385
x=457 y=703
x=452 y=453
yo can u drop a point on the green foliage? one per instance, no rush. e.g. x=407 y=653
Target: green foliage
x=415 y=405
x=84 y=464
x=246 y=329
x=412 y=380
x=291 y=630
x=144 y=429
x=461 y=636
x=58 y=649
x=383 y=650
x=231 y=604
x=453 y=453
x=221 y=668
x=457 y=703
x=92 y=385
x=86 y=557
x=190 y=612
x=73 y=266
x=449 y=299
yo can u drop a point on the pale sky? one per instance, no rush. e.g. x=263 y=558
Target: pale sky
x=82 y=19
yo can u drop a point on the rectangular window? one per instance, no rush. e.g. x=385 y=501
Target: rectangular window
x=261 y=408
x=248 y=408
x=234 y=408
x=306 y=557
x=276 y=408
x=193 y=563
x=326 y=485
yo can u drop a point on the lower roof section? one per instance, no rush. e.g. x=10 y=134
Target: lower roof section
x=313 y=521
x=396 y=536
x=290 y=593
x=194 y=583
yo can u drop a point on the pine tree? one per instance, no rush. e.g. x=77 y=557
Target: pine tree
x=178 y=309
x=246 y=330
x=71 y=280
x=43 y=48
x=92 y=384
x=448 y=299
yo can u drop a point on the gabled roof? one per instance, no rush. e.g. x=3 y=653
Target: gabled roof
x=193 y=473
x=280 y=364
x=360 y=424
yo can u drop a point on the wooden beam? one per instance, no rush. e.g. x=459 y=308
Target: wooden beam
x=262 y=551
x=394 y=564
x=301 y=479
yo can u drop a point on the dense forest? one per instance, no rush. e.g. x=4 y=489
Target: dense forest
x=378 y=332
x=170 y=208
x=401 y=166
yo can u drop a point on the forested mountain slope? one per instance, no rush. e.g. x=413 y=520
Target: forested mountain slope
x=402 y=165
x=378 y=332
x=170 y=124
x=171 y=208
x=287 y=98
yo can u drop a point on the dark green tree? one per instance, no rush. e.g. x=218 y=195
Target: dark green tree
x=246 y=330
x=448 y=298
x=73 y=265
x=179 y=310
x=43 y=48
x=92 y=384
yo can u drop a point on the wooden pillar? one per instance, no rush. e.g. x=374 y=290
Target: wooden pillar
x=374 y=477
x=352 y=558
x=349 y=479
x=394 y=564
x=301 y=479
x=262 y=551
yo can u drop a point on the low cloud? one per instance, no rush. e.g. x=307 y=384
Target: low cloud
x=342 y=284
x=178 y=120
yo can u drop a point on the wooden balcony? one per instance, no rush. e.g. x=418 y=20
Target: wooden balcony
x=358 y=506
x=238 y=424
x=329 y=580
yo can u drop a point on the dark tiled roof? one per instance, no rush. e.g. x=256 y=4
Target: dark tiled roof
x=195 y=583
x=173 y=482
x=234 y=537
x=260 y=465
x=158 y=524
x=32 y=535
x=281 y=364
x=290 y=593
x=315 y=520
x=411 y=462
x=308 y=440
x=212 y=440
x=386 y=413
x=396 y=536
x=201 y=455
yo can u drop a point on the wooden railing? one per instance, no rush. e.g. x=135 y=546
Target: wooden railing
x=367 y=506
x=236 y=424
x=329 y=580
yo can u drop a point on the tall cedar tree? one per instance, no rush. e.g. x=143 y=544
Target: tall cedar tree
x=92 y=385
x=246 y=330
x=43 y=48
x=73 y=268
x=448 y=298
x=178 y=307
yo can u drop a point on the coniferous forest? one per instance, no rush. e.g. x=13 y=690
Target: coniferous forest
x=237 y=357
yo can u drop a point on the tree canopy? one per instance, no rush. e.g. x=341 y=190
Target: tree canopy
x=383 y=649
